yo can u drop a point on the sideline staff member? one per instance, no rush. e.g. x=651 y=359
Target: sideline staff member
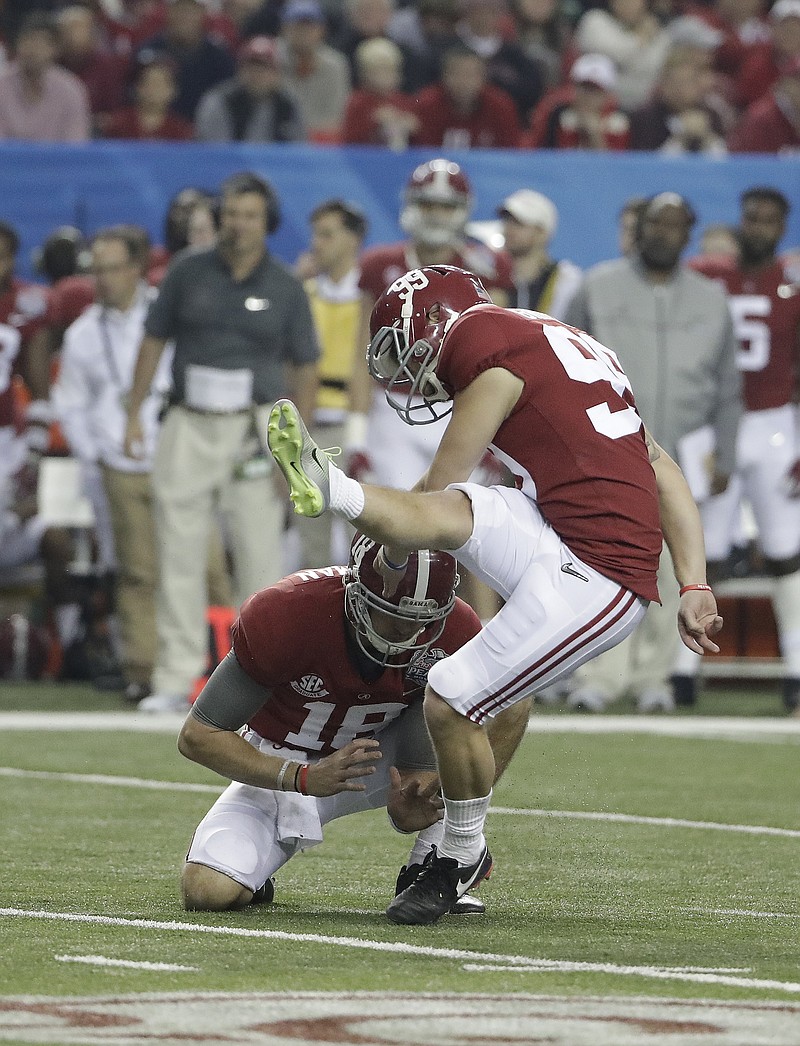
x=237 y=317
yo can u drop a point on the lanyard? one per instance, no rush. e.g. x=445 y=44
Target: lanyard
x=105 y=334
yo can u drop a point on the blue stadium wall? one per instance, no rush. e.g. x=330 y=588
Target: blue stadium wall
x=102 y=183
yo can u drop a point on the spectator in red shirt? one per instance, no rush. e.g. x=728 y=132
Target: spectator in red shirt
x=772 y=124
x=762 y=68
x=584 y=114
x=378 y=112
x=463 y=110
x=104 y=74
x=150 y=116
x=486 y=28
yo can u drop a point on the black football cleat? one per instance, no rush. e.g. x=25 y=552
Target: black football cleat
x=791 y=694
x=439 y=885
x=264 y=894
x=465 y=905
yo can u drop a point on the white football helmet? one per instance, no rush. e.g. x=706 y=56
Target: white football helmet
x=439 y=182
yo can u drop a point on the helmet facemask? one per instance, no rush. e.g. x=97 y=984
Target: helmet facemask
x=391 y=630
x=408 y=373
x=444 y=229
x=408 y=325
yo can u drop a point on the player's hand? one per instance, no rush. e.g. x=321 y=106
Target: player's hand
x=793 y=480
x=392 y=576
x=341 y=771
x=413 y=805
x=134 y=437
x=698 y=621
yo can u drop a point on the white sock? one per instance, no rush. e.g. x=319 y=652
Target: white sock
x=463 y=828
x=68 y=622
x=347 y=495
x=786 y=601
x=425 y=841
x=687 y=663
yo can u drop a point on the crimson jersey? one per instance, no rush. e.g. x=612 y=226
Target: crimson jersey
x=765 y=306
x=319 y=701
x=381 y=266
x=68 y=298
x=574 y=440
x=22 y=308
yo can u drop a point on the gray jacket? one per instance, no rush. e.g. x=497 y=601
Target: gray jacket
x=675 y=342
x=229 y=113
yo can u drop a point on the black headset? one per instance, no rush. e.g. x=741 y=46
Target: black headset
x=248 y=181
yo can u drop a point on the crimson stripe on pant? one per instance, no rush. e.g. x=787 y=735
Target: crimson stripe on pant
x=581 y=638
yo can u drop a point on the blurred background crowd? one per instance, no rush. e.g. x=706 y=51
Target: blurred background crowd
x=126 y=570
x=680 y=76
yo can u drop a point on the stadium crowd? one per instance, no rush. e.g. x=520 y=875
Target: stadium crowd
x=678 y=76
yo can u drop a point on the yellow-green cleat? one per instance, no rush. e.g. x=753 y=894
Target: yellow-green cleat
x=304 y=465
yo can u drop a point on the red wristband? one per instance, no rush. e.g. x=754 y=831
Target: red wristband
x=302 y=781
x=695 y=588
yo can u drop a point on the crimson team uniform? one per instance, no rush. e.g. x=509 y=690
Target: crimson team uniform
x=400 y=453
x=22 y=307
x=291 y=640
x=766 y=316
x=492 y=124
x=574 y=547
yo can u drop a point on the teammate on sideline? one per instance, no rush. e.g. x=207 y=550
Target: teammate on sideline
x=764 y=296
x=329 y=676
x=573 y=548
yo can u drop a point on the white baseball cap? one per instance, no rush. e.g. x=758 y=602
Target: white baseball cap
x=597 y=69
x=530 y=208
x=785 y=9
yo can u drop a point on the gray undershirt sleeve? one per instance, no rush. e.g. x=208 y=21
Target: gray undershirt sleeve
x=230 y=698
x=414 y=748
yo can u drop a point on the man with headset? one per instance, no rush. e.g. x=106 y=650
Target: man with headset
x=237 y=317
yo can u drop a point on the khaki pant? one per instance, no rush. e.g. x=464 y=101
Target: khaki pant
x=646 y=658
x=324 y=539
x=130 y=502
x=193 y=478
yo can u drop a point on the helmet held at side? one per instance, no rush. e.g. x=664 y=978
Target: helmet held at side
x=390 y=630
x=407 y=326
x=437 y=202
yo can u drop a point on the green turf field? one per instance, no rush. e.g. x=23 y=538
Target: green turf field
x=630 y=867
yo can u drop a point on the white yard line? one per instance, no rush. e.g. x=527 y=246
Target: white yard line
x=744 y=913
x=130 y=964
x=660 y=822
x=92 y=722
x=488 y=961
x=738 y=728
x=733 y=728
x=111 y=779
x=506 y=811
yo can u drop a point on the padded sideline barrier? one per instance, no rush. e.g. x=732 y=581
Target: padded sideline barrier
x=102 y=183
